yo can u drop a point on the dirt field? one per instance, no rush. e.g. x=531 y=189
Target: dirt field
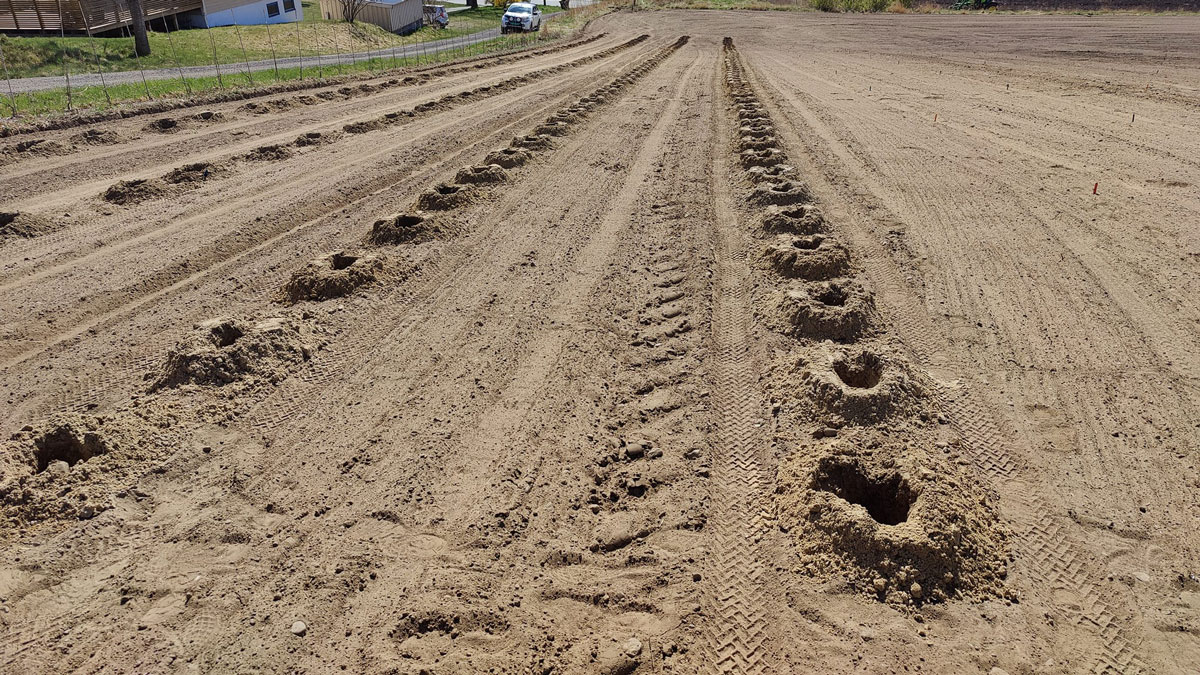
x=852 y=344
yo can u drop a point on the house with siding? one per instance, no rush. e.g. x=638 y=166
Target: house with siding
x=99 y=16
x=228 y=12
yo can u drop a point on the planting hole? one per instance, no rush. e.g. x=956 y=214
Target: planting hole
x=341 y=261
x=834 y=296
x=887 y=500
x=225 y=334
x=808 y=243
x=63 y=445
x=447 y=189
x=861 y=372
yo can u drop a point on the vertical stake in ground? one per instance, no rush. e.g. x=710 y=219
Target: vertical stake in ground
x=317 y=42
x=171 y=41
x=299 y=52
x=274 y=61
x=12 y=97
x=66 y=71
x=211 y=41
x=245 y=59
x=87 y=25
x=337 y=50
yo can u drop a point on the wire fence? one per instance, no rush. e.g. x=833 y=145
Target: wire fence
x=306 y=51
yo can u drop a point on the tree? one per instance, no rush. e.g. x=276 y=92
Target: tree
x=473 y=4
x=137 y=20
x=351 y=8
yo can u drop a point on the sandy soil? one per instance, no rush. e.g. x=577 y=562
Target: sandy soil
x=811 y=350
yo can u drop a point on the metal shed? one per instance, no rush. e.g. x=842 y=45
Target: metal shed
x=396 y=17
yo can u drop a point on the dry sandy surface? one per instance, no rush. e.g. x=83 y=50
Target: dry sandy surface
x=809 y=351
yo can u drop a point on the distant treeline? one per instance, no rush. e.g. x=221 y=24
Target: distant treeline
x=1098 y=5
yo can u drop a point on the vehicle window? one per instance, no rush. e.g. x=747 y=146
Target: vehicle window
x=518 y=10
x=272 y=9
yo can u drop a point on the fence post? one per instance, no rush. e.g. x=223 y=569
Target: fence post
x=274 y=61
x=216 y=64
x=337 y=49
x=171 y=41
x=299 y=51
x=317 y=42
x=62 y=32
x=245 y=59
x=8 y=79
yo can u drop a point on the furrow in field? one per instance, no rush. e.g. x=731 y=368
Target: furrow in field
x=1054 y=562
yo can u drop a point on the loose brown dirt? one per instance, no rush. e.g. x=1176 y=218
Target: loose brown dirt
x=802 y=344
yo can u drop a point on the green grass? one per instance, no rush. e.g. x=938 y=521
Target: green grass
x=36 y=56
x=56 y=100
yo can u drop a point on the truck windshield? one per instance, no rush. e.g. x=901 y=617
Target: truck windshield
x=518 y=10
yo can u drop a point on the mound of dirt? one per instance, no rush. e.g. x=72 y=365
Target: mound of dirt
x=430 y=106
x=896 y=519
x=191 y=173
x=164 y=125
x=332 y=276
x=555 y=128
x=481 y=175
x=19 y=224
x=209 y=116
x=534 y=142
x=269 y=153
x=135 y=191
x=507 y=158
x=96 y=137
x=763 y=157
x=784 y=192
x=859 y=385
x=770 y=174
x=400 y=228
x=363 y=127
x=445 y=196
x=222 y=351
x=569 y=116
x=813 y=257
x=749 y=142
x=837 y=310
x=315 y=138
x=39 y=148
x=759 y=130
x=72 y=467
x=804 y=220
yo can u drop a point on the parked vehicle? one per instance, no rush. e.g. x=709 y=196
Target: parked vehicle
x=435 y=15
x=521 y=17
